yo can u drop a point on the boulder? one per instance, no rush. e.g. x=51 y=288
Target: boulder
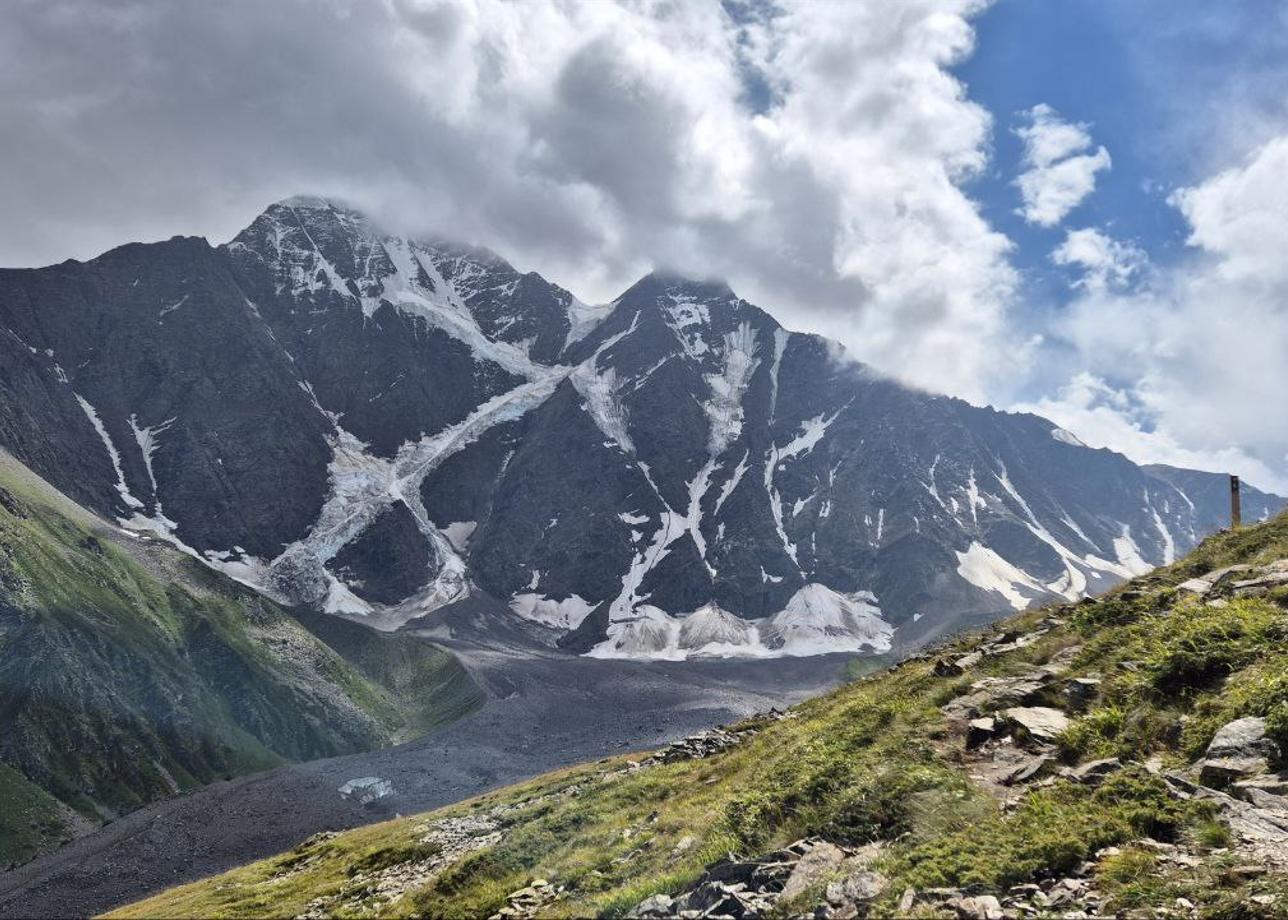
x=1094 y=772
x=1079 y=691
x=907 y=899
x=980 y=730
x=366 y=789
x=1259 y=585
x=820 y=861
x=659 y=905
x=1040 y=723
x=980 y=907
x=1219 y=772
x=1240 y=749
x=863 y=885
x=1198 y=586
x=945 y=668
x=1030 y=769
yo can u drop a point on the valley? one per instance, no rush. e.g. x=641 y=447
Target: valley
x=545 y=710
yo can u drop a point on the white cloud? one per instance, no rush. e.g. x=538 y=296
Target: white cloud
x=1104 y=261
x=1104 y=416
x=588 y=140
x=1058 y=173
x=1199 y=351
x=1241 y=217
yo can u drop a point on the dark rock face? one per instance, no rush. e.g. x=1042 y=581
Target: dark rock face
x=163 y=344
x=326 y=405
x=390 y=561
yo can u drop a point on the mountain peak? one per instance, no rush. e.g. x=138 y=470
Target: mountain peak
x=698 y=289
x=659 y=283
x=305 y=202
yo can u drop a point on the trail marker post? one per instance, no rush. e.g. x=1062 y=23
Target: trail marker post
x=1235 y=513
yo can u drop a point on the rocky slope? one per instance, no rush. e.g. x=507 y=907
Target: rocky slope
x=379 y=426
x=129 y=672
x=1113 y=757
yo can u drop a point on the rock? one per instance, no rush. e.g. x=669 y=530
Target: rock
x=980 y=907
x=1030 y=769
x=980 y=730
x=907 y=899
x=1239 y=750
x=366 y=789
x=859 y=886
x=819 y=861
x=993 y=692
x=1274 y=783
x=659 y=905
x=1198 y=586
x=685 y=844
x=1041 y=723
x=968 y=661
x=1094 y=772
x=1266 y=801
x=1259 y=586
x=945 y=668
x=1079 y=691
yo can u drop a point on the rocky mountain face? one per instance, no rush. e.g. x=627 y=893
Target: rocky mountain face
x=381 y=426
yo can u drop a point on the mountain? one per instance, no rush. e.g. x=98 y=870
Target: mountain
x=1109 y=758
x=380 y=427
x=129 y=672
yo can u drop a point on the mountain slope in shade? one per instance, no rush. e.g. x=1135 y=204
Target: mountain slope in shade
x=128 y=672
x=379 y=426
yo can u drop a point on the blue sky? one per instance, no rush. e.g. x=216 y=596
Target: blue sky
x=1152 y=78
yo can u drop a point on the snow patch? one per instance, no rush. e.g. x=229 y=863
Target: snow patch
x=780 y=346
x=599 y=395
x=583 y=318
x=121 y=487
x=458 y=534
x=172 y=307
x=559 y=614
x=1169 y=543
x=1066 y=437
x=1128 y=553
x=985 y=569
x=816 y=621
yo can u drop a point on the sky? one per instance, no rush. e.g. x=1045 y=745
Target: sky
x=1071 y=207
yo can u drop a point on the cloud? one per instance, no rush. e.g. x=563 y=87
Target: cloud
x=1104 y=262
x=1058 y=173
x=1199 y=351
x=1240 y=216
x=1103 y=416
x=813 y=154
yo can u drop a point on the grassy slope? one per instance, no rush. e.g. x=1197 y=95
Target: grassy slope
x=30 y=818
x=871 y=761
x=130 y=672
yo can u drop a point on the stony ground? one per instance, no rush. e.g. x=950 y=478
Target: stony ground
x=545 y=710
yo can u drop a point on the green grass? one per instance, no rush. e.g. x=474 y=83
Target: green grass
x=872 y=761
x=129 y=672
x=31 y=820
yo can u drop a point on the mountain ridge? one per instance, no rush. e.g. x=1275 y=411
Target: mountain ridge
x=317 y=404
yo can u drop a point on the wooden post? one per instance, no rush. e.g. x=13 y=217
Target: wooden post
x=1235 y=514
